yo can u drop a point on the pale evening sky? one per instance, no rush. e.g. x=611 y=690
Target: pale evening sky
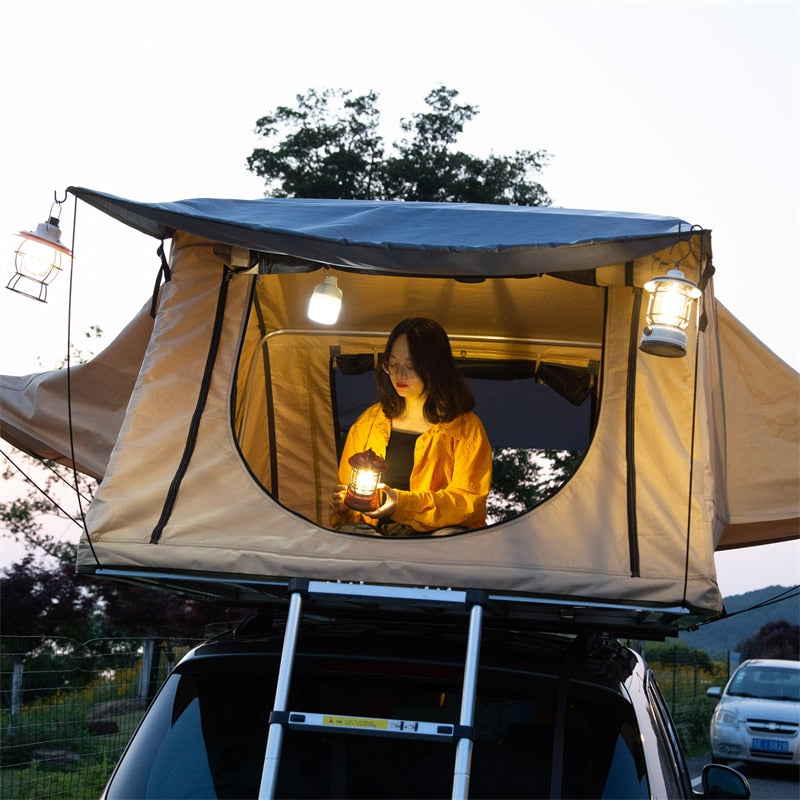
x=687 y=109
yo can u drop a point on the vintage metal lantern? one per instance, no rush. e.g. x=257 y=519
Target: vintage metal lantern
x=668 y=315
x=37 y=260
x=365 y=475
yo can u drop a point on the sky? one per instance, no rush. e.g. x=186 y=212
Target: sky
x=687 y=109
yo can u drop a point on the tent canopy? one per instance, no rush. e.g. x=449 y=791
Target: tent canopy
x=216 y=426
x=433 y=239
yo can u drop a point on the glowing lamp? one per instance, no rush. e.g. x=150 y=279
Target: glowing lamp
x=37 y=260
x=365 y=475
x=669 y=312
x=325 y=302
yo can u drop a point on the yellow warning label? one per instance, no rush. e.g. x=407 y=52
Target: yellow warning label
x=356 y=722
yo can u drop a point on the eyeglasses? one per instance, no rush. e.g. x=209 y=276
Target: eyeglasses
x=393 y=368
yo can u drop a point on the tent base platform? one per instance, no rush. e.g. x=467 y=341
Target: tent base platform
x=349 y=599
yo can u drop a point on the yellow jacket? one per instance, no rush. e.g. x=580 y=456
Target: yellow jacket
x=451 y=478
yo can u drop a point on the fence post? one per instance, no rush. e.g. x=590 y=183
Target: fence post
x=17 y=672
x=674 y=675
x=148 y=645
x=153 y=683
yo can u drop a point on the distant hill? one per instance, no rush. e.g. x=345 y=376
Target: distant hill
x=721 y=636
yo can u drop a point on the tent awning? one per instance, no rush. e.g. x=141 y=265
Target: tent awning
x=435 y=239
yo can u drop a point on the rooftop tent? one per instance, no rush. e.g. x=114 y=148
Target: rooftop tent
x=213 y=426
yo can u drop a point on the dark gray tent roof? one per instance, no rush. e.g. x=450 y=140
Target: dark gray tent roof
x=468 y=240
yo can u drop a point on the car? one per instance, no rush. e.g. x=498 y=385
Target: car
x=376 y=706
x=757 y=718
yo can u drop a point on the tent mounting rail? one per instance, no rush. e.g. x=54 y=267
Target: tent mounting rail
x=343 y=598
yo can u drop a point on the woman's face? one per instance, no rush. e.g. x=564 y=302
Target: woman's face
x=400 y=365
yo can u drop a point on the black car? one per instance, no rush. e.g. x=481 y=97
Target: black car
x=374 y=708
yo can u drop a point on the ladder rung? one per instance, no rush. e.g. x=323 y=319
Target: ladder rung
x=372 y=726
x=388 y=592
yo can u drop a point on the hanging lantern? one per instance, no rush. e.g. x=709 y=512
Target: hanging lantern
x=326 y=301
x=668 y=315
x=37 y=260
x=365 y=475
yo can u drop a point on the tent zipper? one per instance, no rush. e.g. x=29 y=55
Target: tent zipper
x=205 y=385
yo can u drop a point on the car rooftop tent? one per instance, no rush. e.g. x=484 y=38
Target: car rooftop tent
x=210 y=424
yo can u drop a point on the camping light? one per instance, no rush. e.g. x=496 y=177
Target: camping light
x=326 y=301
x=669 y=311
x=365 y=474
x=37 y=260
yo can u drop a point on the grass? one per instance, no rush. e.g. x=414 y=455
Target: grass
x=83 y=781
x=65 y=745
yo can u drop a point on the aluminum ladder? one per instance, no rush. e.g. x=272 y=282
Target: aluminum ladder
x=461 y=732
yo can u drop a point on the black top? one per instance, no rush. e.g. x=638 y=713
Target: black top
x=399 y=459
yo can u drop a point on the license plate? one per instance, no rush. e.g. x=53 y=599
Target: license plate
x=769 y=746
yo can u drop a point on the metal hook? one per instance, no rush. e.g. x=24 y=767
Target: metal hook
x=687 y=238
x=59 y=203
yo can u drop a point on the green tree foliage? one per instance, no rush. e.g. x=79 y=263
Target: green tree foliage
x=135 y=611
x=521 y=479
x=677 y=654
x=44 y=601
x=329 y=146
x=777 y=639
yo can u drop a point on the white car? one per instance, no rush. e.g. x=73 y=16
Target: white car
x=758 y=715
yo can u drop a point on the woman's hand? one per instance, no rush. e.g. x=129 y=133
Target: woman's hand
x=389 y=503
x=337 y=498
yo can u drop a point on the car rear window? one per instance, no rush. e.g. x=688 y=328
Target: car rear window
x=766 y=682
x=206 y=735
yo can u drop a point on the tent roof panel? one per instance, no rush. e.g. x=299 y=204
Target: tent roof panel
x=397 y=237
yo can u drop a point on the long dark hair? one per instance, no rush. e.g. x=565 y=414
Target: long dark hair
x=447 y=394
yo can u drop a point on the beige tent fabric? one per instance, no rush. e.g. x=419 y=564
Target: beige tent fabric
x=34 y=410
x=638 y=521
x=224 y=522
x=762 y=431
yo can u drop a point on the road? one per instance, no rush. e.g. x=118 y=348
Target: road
x=767 y=782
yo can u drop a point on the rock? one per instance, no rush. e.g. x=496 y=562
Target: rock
x=56 y=758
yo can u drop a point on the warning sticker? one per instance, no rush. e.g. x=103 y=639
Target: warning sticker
x=356 y=722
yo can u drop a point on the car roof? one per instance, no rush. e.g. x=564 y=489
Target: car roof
x=594 y=657
x=771 y=662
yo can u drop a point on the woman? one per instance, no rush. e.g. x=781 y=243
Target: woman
x=439 y=460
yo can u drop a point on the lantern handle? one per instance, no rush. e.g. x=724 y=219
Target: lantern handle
x=687 y=239
x=59 y=203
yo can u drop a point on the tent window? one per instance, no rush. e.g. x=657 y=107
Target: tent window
x=539 y=419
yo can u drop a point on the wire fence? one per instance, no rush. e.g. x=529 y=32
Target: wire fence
x=684 y=676
x=68 y=709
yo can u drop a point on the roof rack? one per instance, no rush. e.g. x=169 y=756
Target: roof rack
x=349 y=599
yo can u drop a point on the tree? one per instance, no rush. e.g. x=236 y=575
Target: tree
x=777 y=639
x=38 y=605
x=41 y=602
x=521 y=479
x=136 y=611
x=330 y=147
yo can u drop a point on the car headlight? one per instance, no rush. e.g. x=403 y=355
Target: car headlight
x=729 y=718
